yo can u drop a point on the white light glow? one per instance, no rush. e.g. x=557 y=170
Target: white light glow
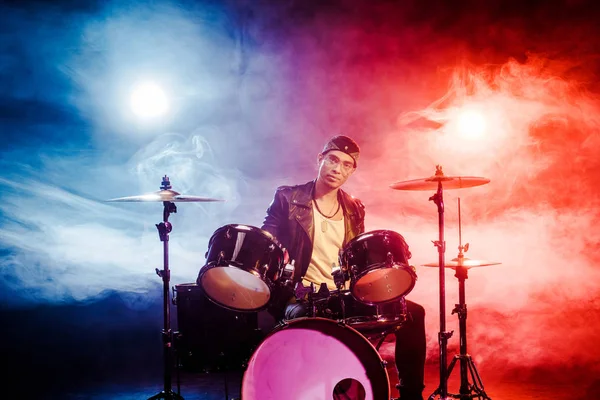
x=471 y=124
x=148 y=100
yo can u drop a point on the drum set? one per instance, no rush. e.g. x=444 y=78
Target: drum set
x=330 y=353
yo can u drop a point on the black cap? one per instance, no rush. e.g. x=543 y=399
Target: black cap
x=343 y=144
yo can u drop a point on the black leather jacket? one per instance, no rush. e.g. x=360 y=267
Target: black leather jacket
x=290 y=219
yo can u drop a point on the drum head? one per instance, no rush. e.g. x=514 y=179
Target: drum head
x=383 y=283
x=315 y=359
x=235 y=289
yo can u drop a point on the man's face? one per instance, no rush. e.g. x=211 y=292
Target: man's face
x=335 y=167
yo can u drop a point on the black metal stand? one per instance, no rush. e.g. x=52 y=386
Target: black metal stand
x=164 y=228
x=381 y=336
x=443 y=336
x=467 y=390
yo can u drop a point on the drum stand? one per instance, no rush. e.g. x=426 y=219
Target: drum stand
x=164 y=228
x=382 y=335
x=467 y=391
x=443 y=336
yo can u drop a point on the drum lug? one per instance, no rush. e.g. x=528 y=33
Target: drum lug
x=264 y=269
x=221 y=257
x=390 y=258
x=384 y=363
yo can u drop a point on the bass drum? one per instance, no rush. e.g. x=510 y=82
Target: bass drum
x=315 y=359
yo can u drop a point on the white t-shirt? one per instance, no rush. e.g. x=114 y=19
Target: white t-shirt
x=328 y=240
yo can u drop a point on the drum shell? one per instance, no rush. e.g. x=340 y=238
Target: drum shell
x=243 y=264
x=258 y=249
x=380 y=253
x=369 y=320
x=372 y=248
x=211 y=338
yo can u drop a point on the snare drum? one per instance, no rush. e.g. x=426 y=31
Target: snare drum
x=315 y=358
x=367 y=319
x=376 y=263
x=242 y=265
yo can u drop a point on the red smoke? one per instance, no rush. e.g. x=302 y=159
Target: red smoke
x=398 y=80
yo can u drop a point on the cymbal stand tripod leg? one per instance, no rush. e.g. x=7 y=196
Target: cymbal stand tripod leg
x=467 y=367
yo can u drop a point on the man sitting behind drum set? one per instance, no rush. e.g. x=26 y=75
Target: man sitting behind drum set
x=314 y=222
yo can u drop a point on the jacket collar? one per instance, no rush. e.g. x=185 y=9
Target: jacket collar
x=303 y=198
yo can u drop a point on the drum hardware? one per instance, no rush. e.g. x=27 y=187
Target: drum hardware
x=438 y=182
x=287 y=274
x=338 y=277
x=340 y=282
x=301 y=292
x=168 y=197
x=320 y=296
x=462 y=265
x=381 y=336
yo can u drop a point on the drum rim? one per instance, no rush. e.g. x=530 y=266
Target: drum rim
x=372 y=318
x=376 y=232
x=251 y=228
x=206 y=268
x=286 y=325
x=186 y=285
x=373 y=269
x=349 y=247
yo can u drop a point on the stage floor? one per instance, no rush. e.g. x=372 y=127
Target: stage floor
x=107 y=350
x=499 y=385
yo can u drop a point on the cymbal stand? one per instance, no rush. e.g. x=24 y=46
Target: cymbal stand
x=467 y=391
x=164 y=228
x=443 y=336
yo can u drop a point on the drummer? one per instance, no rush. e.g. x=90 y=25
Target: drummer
x=314 y=221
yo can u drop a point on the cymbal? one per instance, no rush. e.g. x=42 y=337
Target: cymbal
x=464 y=261
x=164 y=195
x=448 y=182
